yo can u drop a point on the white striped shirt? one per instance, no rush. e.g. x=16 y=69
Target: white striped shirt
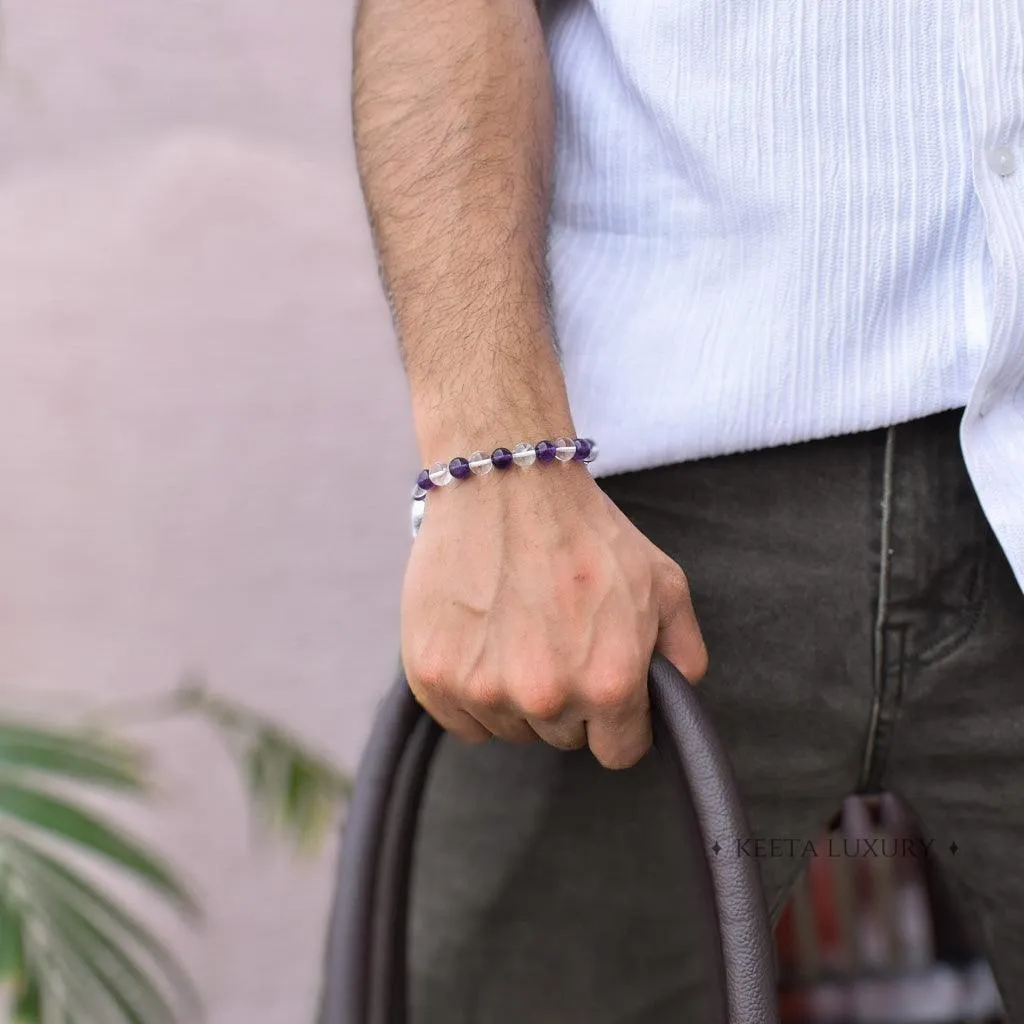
x=778 y=220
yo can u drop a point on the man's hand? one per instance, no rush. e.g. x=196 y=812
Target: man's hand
x=530 y=608
x=531 y=604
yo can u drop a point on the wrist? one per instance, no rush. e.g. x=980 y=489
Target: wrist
x=491 y=396
x=507 y=466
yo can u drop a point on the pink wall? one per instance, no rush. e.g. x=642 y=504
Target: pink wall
x=205 y=448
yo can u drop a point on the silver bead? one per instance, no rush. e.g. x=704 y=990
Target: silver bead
x=418 y=493
x=480 y=464
x=593 y=452
x=524 y=454
x=565 y=450
x=440 y=474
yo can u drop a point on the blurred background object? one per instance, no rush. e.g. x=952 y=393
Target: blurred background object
x=205 y=453
x=872 y=934
x=68 y=951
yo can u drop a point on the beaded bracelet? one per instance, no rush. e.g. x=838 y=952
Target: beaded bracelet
x=441 y=474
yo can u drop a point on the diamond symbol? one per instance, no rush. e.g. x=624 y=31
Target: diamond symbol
x=953 y=848
x=716 y=848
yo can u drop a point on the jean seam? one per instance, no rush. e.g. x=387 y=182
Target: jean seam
x=898 y=672
x=884 y=571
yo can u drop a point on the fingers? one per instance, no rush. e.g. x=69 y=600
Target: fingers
x=570 y=703
x=613 y=719
x=679 y=635
x=504 y=725
x=473 y=712
x=540 y=711
x=456 y=721
x=563 y=735
x=478 y=710
x=609 y=713
x=619 y=743
x=617 y=704
x=618 y=714
x=524 y=712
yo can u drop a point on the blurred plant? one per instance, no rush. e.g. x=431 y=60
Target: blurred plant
x=69 y=952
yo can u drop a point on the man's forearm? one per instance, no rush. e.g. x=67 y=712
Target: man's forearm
x=453 y=118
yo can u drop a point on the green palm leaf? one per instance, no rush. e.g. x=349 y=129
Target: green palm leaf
x=67 y=936
x=11 y=962
x=57 y=983
x=43 y=873
x=294 y=792
x=72 y=824
x=128 y=983
x=69 y=755
x=28 y=1006
x=71 y=954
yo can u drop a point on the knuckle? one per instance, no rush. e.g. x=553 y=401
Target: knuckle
x=543 y=701
x=613 y=690
x=431 y=672
x=436 y=670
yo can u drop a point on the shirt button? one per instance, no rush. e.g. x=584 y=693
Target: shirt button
x=1001 y=161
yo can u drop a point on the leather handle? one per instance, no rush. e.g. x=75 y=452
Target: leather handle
x=364 y=977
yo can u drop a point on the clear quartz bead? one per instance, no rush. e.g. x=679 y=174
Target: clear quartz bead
x=593 y=452
x=418 y=494
x=524 y=454
x=565 y=450
x=440 y=474
x=480 y=464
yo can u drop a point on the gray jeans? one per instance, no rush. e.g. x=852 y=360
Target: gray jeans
x=865 y=632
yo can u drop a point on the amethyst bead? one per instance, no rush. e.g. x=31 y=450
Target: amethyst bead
x=459 y=468
x=546 y=451
x=502 y=458
x=424 y=481
x=582 y=448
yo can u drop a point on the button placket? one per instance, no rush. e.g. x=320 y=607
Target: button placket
x=993 y=75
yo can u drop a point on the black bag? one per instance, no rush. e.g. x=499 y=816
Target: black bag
x=365 y=967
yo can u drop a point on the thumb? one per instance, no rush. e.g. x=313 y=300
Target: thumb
x=679 y=635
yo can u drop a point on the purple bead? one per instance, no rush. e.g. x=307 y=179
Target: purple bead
x=459 y=467
x=545 y=450
x=502 y=458
x=424 y=480
x=582 y=448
